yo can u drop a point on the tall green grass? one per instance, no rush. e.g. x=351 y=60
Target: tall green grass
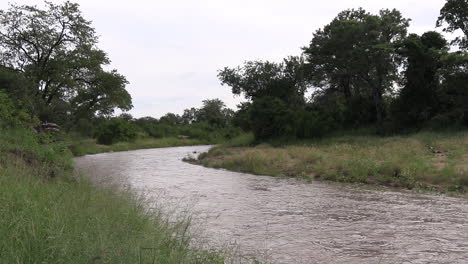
x=47 y=215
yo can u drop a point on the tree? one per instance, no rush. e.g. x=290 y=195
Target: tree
x=333 y=67
x=101 y=94
x=257 y=79
x=42 y=42
x=418 y=100
x=214 y=112
x=190 y=115
x=171 y=119
x=115 y=130
x=126 y=117
x=241 y=117
x=55 y=49
x=455 y=14
x=453 y=93
x=271 y=118
x=354 y=55
x=332 y=55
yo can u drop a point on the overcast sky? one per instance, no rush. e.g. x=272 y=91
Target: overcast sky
x=170 y=50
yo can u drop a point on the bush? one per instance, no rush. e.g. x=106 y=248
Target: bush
x=85 y=127
x=114 y=131
x=271 y=118
x=11 y=116
x=309 y=125
x=6 y=110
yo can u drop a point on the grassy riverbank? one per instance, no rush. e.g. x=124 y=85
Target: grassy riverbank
x=80 y=147
x=49 y=215
x=427 y=160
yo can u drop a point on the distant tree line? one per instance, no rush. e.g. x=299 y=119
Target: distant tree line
x=362 y=70
x=212 y=122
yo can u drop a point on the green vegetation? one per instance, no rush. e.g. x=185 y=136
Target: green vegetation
x=51 y=70
x=433 y=161
x=399 y=92
x=362 y=70
x=50 y=215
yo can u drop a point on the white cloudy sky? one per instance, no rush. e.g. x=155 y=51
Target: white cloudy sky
x=170 y=50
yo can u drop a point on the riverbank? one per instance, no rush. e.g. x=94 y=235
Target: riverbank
x=80 y=147
x=427 y=160
x=50 y=215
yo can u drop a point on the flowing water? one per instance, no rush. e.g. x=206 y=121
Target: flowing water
x=288 y=221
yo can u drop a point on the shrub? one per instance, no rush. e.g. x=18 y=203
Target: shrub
x=6 y=109
x=12 y=116
x=85 y=127
x=114 y=131
x=309 y=125
x=271 y=118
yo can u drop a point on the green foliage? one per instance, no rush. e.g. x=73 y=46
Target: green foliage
x=103 y=92
x=258 y=79
x=418 y=99
x=454 y=97
x=171 y=119
x=214 y=112
x=52 y=157
x=241 y=117
x=455 y=14
x=53 y=56
x=309 y=125
x=17 y=86
x=6 y=109
x=11 y=116
x=47 y=216
x=354 y=57
x=210 y=123
x=271 y=118
x=115 y=130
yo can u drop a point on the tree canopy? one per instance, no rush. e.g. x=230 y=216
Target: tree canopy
x=455 y=15
x=354 y=55
x=256 y=79
x=55 y=48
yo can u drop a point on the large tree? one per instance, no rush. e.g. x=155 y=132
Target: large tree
x=101 y=94
x=455 y=15
x=453 y=93
x=418 y=100
x=55 y=48
x=355 y=55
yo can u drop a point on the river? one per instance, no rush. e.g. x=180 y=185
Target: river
x=289 y=221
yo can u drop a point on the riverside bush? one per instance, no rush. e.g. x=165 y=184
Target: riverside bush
x=115 y=130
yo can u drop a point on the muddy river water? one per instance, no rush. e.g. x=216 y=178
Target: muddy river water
x=288 y=221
